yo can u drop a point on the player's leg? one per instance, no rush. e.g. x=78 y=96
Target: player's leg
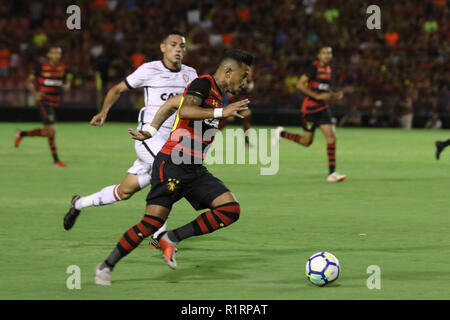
x=205 y=192
x=37 y=132
x=440 y=146
x=107 y=195
x=246 y=122
x=154 y=218
x=330 y=137
x=305 y=139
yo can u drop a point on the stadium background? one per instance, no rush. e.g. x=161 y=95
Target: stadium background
x=392 y=211
x=379 y=69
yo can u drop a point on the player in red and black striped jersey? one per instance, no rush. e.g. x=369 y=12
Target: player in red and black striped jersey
x=50 y=77
x=178 y=170
x=315 y=84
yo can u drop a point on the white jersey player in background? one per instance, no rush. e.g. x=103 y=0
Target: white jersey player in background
x=160 y=80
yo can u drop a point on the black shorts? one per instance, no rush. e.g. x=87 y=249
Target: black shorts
x=47 y=113
x=171 y=182
x=310 y=121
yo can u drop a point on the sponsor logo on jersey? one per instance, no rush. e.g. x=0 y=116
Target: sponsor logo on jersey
x=166 y=96
x=52 y=82
x=186 y=77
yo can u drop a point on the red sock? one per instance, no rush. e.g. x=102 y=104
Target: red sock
x=291 y=136
x=32 y=133
x=331 y=151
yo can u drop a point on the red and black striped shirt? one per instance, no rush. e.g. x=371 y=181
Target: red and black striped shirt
x=51 y=80
x=190 y=139
x=319 y=81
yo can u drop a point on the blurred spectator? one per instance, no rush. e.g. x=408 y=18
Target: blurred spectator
x=353 y=118
x=406 y=110
x=434 y=122
x=5 y=54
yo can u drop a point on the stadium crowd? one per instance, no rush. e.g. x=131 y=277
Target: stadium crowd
x=397 y=71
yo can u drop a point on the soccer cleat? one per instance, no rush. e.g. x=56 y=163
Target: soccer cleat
x=102 y=276
x=72 y=215
x=18 y=138
x=59 y=164
x=440 y=145
x=154 y=244
x=336 y=177
x=277 y=137
x=168 y=251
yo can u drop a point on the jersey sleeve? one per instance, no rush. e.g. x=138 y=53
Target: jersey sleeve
x=137 y=78
x=200 y=88
x=310 y=71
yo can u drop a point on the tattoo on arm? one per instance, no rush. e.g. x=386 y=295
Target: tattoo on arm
x=190 y=99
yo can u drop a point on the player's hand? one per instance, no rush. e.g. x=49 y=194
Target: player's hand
x=338 y=95
x=38 y=96
x=139 y=135
x=233 y=109
x=323 y=96
x=98 y=119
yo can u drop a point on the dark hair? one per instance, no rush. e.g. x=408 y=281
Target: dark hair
x=170 y=32
x=240 y=56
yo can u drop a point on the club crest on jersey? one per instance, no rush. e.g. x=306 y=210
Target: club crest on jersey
x=309 y=125
x=215 y=103
x=186 y=78
x=172 y=184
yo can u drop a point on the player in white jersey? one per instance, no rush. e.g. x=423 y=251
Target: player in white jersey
x=160 y=80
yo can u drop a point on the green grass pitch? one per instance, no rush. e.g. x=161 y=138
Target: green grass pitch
x=397 y=194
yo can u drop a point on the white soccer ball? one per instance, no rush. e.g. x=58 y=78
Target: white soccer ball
x=322 y=268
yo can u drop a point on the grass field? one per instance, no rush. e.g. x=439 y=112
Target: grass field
x=396 y=194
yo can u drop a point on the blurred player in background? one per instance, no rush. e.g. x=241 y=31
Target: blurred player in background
x=315 y=84
x=161 y=79
x=247 y=114
x=173 y=179
x=440 y=146
x=51 y=78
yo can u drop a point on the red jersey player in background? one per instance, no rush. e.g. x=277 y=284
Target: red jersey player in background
x=315 y=84
x=50 y=76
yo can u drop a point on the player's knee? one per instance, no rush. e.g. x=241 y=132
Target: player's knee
x=230 y=212
x=124 y=193
x=308 y=142
x=332 y=139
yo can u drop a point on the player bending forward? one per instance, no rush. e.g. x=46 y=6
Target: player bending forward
x=315 y=84
x=161 y=80
x=178 y=170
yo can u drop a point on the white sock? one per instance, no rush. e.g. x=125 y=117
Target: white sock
x=105 y=196
x=160 y=230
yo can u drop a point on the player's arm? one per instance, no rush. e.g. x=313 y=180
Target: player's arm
x=164 y=112
x=111 y=97
x=29 y=84
x=191 y=109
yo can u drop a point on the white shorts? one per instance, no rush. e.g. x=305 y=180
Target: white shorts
x=146 y=152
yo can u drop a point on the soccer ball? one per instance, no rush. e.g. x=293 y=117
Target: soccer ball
x=322 y=268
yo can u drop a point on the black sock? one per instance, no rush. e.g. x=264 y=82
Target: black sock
x=282 y=134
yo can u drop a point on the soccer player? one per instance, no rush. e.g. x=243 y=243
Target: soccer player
x=161 y=79
x=50 y=76
x=440 y=146
x=178 y=170
x=315 y=84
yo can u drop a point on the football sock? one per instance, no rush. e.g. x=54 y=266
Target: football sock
x=291 y=136
x=160 y=230
x=218 y=217
x=105 y=196
x=32 y=133
x=446 y=143
x=51 y=144
x=331 y=151
x=133 y=237
x=246 y=123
